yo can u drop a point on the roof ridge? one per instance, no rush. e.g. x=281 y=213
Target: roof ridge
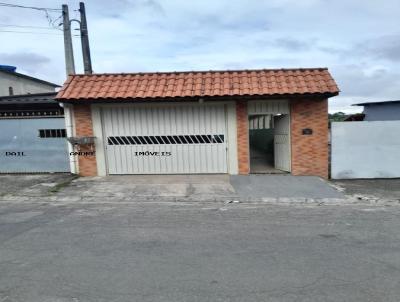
x=211 y=83
x=201 y=71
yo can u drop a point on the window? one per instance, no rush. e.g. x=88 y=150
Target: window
x=10 y=90
x=52 y=133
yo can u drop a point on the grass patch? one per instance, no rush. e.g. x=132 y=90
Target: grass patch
x=63 y=184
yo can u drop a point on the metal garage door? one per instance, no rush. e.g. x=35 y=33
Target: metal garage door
x=165 y=139
x=33 y=145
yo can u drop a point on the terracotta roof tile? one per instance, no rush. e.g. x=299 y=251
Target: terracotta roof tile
x=265 y=82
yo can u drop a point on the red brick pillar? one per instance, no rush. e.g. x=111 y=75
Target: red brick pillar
x=83 y=127
x=309 y=152
x=242 y=137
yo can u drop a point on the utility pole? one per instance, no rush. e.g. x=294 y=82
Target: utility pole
x=69 y=52
x=87 y=62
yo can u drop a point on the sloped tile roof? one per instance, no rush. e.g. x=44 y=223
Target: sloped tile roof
x=265 y=82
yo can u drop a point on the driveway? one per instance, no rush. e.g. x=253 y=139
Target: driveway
x=198 y=252
x=283 y=188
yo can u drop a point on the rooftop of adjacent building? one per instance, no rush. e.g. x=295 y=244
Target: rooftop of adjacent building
x=12 y=70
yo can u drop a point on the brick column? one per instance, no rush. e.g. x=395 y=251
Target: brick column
x=309 y=152
x=84 y=127
x=242 y=123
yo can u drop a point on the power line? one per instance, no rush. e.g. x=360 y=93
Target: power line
x=46 y=10
x=52 y=22
x=32 y=32
x=27 y=26
x=29 y=7
x=28 y=32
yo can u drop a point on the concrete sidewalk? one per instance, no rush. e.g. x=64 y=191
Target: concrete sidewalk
x=172 y=188
x=372 y=190
x=33 y=185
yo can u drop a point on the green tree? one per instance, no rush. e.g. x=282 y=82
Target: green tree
x=337 y=117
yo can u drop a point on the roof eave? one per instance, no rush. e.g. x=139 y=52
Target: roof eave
x=376 y=103
x=195 y=98
x=16 y=96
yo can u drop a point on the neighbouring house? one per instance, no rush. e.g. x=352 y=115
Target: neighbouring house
x=236 y=122
x=381 y=111
x=15 y=83
x=32 y=136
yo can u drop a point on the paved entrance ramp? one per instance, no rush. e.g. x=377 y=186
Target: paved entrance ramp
x=283 y=188
x=150 y=188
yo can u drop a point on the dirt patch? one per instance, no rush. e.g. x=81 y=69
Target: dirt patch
x=386 y=189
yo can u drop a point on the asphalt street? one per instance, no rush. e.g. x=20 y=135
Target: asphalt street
x=198 y=252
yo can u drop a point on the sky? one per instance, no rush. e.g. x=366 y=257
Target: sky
x=358 y=40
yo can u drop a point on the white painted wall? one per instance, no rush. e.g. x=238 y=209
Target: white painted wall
x=365 y=149
x=268 y=107
x=99 y=140
x=69 y=126
x=21 y=85
x=231 y=128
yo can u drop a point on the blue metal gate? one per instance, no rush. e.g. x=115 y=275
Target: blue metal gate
x=33 y=145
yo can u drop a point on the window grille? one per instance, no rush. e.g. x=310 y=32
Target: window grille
x=52 y=133
x=30 y=113
x=166 y=139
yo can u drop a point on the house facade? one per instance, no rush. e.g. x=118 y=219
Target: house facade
x=32 y=136
x=15 y=83
x=381 y=111
x=235 y=122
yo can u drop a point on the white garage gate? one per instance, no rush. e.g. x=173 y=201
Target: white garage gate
x=165 y=139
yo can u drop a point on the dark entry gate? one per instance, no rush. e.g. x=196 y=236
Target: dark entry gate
x=33 y=145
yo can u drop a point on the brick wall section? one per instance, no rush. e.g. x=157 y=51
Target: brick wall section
x=242 y=123
x=309 y=152
x=84 y=127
